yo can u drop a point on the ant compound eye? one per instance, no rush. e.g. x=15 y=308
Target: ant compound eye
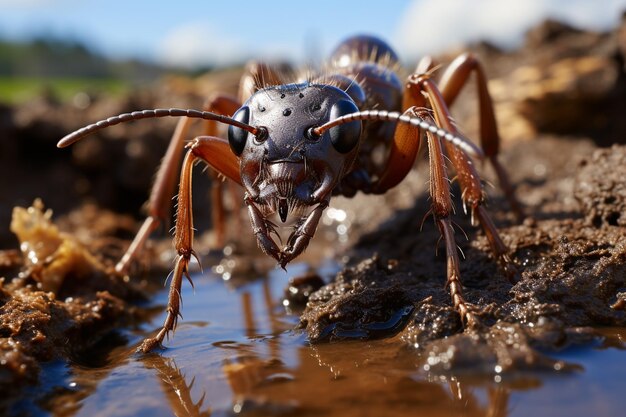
x=345 y=136
x=236 y=136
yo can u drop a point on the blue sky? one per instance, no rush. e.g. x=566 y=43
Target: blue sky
x=198 y=32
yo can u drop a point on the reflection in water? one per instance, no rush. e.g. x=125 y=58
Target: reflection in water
x=236 y=354
x=332 y=379
x=247 y=369
x=175 y=387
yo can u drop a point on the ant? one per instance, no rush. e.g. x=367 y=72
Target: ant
x=292 y=146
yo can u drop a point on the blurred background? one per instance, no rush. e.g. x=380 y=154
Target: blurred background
x=68 y=63
x=59 y=43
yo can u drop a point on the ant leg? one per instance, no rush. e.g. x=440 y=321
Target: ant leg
x=403 y=152
x=473 y=195
x=225 y=105
x=441 y=209
x=183 y=241
x=452 y=81
x=216 y=152
x=160 y=195
x=163 y=188
x=454 y=274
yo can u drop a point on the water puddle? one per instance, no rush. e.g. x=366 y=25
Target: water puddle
x=236 y=353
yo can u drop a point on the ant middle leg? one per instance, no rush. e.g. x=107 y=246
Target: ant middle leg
x=452 y=81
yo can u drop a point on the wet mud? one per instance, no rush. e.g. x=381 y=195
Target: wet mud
x=570 y=273
x=63 y=301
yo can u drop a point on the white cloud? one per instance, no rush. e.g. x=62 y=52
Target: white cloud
x=194 y=44
x=200 y=43
x=430 y=26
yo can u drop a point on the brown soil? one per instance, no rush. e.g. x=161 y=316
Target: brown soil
x=63 y=301
x=570 y=252
x=571 y=270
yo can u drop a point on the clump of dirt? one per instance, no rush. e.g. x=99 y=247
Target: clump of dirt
x=300 y=289
x=563 y=80
x=50 y=255
x=601 y=189
x=62 y=303
x=571 y=273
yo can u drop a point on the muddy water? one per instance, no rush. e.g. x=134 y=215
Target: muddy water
x=236 y=353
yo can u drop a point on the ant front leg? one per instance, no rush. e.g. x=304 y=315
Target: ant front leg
x=160 y=195
x=401 y=159
x=159 y=203
x=183 y=242
x=225 y=105
x=442 y=209
x=472 y=195
x=216 y=152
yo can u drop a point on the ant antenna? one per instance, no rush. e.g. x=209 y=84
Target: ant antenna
x=388 y=116
x=153 y=113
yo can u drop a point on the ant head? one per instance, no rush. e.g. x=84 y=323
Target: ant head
x=288 y=112
x=289 y=161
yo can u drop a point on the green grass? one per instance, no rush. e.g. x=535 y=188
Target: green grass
x=14 y=90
